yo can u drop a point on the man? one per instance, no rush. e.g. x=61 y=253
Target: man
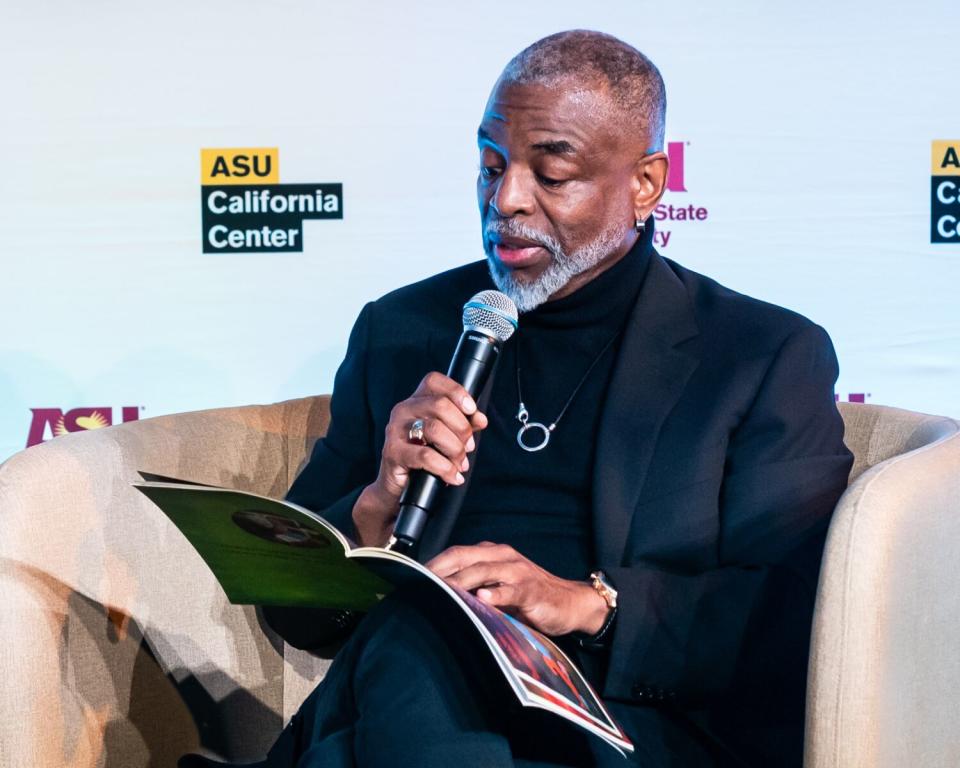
x=694 y=458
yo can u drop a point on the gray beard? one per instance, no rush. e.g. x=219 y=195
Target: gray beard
x=562 y=269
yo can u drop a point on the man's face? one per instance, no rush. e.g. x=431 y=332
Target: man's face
x=555 y=188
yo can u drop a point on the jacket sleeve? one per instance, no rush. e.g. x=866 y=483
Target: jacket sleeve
x=740 y=632
x=342 y=463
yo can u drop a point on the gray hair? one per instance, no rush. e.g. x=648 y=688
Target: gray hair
x=635 y=84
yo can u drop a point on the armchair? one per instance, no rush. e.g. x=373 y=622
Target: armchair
x=119 y=649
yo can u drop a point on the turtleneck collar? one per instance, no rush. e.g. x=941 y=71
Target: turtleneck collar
x=605 y=299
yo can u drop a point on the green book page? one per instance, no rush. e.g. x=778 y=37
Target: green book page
x=267 y=552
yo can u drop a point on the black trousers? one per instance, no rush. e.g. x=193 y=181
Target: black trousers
x=414 y=686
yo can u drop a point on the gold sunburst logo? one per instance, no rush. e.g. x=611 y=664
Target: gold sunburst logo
x=95 y=420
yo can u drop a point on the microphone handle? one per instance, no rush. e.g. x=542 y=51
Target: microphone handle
x=472 y=363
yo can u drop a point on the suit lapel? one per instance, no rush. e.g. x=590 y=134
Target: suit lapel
x=648 y=377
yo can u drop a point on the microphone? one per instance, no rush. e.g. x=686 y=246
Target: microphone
x=489 y=319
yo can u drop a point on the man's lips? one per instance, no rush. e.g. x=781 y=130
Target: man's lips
x=516 y=253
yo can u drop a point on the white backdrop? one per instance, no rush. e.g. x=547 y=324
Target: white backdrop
x=806 y=131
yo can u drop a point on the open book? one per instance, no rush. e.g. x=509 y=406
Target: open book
x=269 y=552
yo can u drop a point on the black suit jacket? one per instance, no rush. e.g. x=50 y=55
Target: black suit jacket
x=719 y=461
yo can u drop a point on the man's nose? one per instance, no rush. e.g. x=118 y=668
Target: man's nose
x=513 y=195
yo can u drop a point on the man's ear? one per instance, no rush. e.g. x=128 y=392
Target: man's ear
x=649 y=183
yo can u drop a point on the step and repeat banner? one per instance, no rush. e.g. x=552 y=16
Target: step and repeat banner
x=196 y=199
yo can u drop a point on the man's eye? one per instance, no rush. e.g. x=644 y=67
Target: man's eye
x=489 y=171
x=548 y=182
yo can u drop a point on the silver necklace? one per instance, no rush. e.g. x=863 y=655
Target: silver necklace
x=523 y=415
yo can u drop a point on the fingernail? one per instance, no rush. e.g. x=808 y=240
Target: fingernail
x=468 y=405
x=465 y=464
x=471 y=444
x=459 y=479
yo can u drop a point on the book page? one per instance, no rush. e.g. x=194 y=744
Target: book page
x=267 y=552
x=545 y=671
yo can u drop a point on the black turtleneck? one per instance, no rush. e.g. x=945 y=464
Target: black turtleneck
x=540 y=503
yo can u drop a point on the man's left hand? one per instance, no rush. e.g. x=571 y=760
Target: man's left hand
x=501 y=576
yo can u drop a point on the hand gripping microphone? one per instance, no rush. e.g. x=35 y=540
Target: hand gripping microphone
x=489 y=319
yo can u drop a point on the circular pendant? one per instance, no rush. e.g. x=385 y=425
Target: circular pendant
x=537 y=446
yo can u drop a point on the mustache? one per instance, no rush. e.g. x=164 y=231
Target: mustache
x=514 y=228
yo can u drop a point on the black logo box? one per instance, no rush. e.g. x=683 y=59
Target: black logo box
x=939 y=209
x=252 y=221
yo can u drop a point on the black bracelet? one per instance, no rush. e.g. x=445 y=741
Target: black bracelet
x=598 y=641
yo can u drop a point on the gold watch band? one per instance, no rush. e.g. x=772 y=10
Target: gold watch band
x=604 y=588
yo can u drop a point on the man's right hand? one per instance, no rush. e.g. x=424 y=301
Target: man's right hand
x=450 y=418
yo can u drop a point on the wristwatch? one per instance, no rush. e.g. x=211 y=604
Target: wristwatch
x=606 y=590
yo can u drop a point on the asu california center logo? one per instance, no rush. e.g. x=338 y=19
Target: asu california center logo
x=54 y=422
x=245 y=208
x=945 y=192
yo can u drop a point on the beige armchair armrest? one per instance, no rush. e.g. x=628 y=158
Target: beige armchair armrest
x=884 y=685
x=118 y=647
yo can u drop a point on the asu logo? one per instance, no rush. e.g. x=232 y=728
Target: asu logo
x=667 y=213
x=675 y=180
x=240 y=166
x=852 y=397
x=55 y=422
x=945 y=191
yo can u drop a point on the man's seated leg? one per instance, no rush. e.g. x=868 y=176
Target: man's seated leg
x=413 y=686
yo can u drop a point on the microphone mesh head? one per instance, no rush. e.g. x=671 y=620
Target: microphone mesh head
x=492 y=313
